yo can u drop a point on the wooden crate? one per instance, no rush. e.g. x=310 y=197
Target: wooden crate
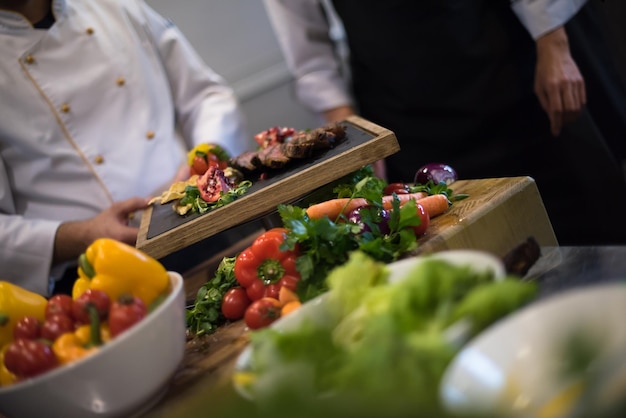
x=498 y=215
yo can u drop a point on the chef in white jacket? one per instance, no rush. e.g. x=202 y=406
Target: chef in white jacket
x=91 y=94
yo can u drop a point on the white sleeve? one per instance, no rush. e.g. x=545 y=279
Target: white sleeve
x=207 y=109
x=303 y=33
x=542 y=16
x=26 y=246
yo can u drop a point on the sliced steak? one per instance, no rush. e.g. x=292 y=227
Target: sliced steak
x=247 y=162
x=273 y=157
x=304 y=143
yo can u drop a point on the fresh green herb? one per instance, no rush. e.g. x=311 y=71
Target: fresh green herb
x=199 y=205
x=325 y=244
x=438 y=188
x=206 y=314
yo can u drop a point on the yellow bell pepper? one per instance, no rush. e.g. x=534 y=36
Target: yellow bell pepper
x=6 y=377
x=16 y=303
x=117 y=269
x=68 y=348
x=206 y=148
x=85 y=340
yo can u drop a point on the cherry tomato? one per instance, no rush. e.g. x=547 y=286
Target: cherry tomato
x=262 y=313
x=215 y=160
x=199 y=165
x=59 y=305
x=28 y=358
x=27 y=328
x=255 y=290
x=235 y=303
x=126 y=312
x=55 y=325
x=424 y=221
x=97 y=298
x=397 y=188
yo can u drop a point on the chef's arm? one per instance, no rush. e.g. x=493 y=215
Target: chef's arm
x=26 y=245
x=206 y=108
x=303 y=33
x=73 y=238
x=559 y=85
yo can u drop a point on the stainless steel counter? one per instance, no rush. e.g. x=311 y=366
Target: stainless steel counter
x=563 y=268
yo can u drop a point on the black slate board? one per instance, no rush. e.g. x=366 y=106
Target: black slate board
x=164 y=218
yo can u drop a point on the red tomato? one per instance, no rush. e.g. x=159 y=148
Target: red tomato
x=199 y=165
x=28 y=328
x=424 y=221
x=55 y=325
x=28 y=358
x=256 y=290
x=235 y=303
x=126 y=312
x=272 y=290
x=397 y=188
x=262 y=313
x=214 y=160
x=59 y=305
x=90 y=297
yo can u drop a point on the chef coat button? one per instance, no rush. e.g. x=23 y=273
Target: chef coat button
x=89 y=31
x=65 y=108
x=99 y=159
x=29 y=59
x=150 y=134
x=120 y=81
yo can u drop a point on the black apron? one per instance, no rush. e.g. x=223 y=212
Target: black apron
x=454 y=80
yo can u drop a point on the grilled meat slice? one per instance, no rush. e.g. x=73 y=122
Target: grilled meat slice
x=273 y=157
x=304 y=143
x=247 y=162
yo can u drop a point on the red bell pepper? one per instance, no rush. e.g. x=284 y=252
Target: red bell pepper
x=262 y=268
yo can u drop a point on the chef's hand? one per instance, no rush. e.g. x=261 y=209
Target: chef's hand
x=339 y=114
x=183 y=173
x=558 y=83
x=73 y=238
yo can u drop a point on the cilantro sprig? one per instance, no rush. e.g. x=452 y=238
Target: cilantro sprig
x=438 y=188
x=199 y=205
x=206 y=315
x=325 y=243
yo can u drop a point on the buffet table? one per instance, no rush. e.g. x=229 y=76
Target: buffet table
x=498 y=215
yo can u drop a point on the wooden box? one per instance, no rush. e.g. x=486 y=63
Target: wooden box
x=498 y=215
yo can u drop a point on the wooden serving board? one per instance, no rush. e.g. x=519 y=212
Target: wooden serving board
x=163 y=231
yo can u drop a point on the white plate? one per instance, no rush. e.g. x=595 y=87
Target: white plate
x=513 y=367
x=315 y=310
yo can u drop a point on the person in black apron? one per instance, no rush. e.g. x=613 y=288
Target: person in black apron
x=454 y=80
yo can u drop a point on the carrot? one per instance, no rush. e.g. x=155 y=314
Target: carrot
x=435 y=204
x=334 y=207
x=290 y=307
x=403 y=198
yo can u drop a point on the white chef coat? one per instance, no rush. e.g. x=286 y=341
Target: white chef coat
x=302 y=29
x=88 y=116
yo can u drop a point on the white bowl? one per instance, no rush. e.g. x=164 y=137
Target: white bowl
x=125 y=374
x=514 y=367
x=316 y=310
